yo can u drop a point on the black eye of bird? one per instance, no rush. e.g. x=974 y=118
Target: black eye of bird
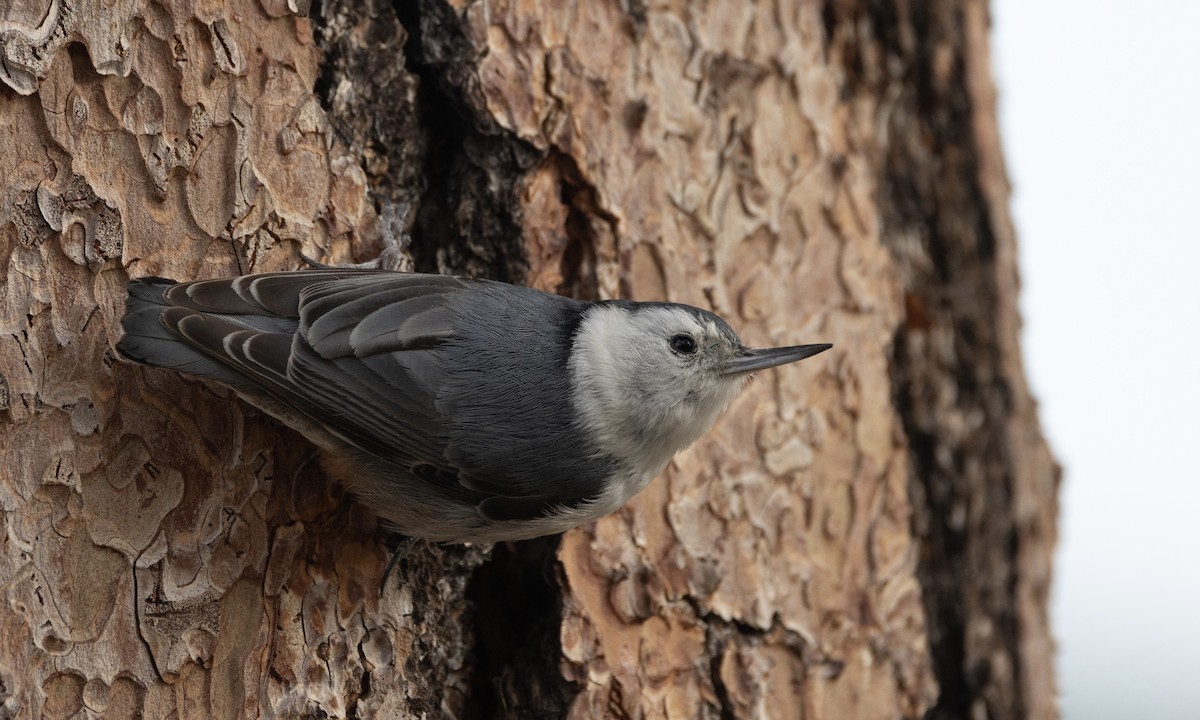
x=683 y=344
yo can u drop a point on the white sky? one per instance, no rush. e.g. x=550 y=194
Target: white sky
x=1100 y=110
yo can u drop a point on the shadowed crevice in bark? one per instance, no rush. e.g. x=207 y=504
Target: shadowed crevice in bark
x=948 y=383
x=437 y=577
x=469 y=219
x=949 y=386
x=518 y=613
x=372 y=99
x=584 y=213
x=401 y=86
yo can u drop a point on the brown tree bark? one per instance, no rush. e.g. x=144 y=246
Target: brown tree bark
x=865 y=535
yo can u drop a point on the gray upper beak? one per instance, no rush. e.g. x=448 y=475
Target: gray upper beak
x=751 y=360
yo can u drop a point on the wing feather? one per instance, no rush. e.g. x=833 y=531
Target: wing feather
x=335 y=329
x=380 y=332
x=272 y=293
x=365 y=355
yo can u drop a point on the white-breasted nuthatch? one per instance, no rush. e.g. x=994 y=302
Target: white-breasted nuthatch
x=457 y=409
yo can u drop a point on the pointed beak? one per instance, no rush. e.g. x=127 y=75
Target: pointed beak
x=751 y=360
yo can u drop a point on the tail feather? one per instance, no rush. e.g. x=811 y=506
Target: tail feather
x=147 y=340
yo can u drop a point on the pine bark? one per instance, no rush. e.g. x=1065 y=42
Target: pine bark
x=867 y=534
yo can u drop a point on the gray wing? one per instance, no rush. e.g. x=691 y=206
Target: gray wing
x=366 y=355
x=354 y=351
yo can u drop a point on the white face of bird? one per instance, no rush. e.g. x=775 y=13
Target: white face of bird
x=651 y=379
x=674 y=359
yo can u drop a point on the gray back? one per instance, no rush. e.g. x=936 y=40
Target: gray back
x=507 y=399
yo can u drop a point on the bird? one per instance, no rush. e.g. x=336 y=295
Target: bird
x=456 y=409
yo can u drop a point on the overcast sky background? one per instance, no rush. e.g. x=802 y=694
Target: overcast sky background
x=1100 y=114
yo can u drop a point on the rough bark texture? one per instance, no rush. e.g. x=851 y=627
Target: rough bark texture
x=864 y=535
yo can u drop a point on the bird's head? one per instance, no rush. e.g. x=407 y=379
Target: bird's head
x=651 y=378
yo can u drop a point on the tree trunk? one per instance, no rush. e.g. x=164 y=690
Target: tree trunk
x=864 y=535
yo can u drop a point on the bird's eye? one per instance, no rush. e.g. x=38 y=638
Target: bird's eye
x=683 y=344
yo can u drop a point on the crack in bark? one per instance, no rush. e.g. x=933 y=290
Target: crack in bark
x=137 y=614
x=720 y=632
x=364 y=678
x=468 y=219
x=423 y=134
x=949 y=389
x=21 y=345
x=427 y=141
x=728 y=711
x=518 y=610
x=578 y=265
